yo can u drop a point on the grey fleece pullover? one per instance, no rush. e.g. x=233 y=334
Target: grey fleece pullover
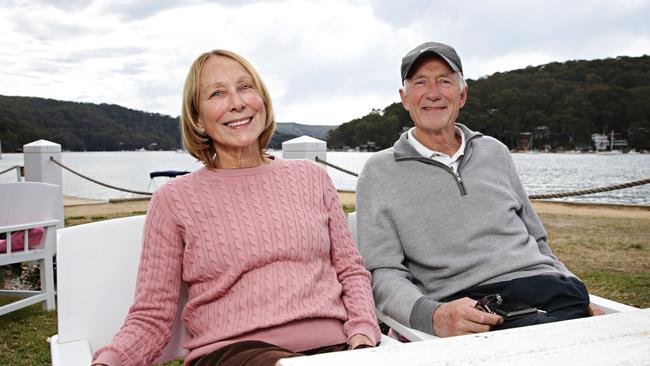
x=427 y=233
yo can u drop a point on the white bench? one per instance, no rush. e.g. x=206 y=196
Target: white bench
x=97 y=265
x=613 y=339
x=411 y=334
x=24 y=207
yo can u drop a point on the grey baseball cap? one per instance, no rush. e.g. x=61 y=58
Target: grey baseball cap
x=447 y=53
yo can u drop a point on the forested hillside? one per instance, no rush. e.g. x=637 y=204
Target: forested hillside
x=104 y=127
x=83 y=126
x=561 y=104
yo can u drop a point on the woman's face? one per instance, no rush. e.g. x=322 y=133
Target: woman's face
x=231 y=109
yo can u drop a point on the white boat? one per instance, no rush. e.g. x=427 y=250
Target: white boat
x=611 y=150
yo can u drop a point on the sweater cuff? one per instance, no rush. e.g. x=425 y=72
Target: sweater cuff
x=369 y=331
x=422 y=314
x=107 y=357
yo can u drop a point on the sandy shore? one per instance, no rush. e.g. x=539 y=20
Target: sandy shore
x=83 y=207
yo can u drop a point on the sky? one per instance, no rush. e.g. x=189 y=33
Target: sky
x=324 y=62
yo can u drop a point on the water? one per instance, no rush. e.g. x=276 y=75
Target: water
x=540 y=173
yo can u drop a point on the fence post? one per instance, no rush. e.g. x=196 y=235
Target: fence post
x=304 y=147
x=39 y=168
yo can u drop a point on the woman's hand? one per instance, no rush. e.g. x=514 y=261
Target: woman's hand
x=360 y=341
x=594 y=310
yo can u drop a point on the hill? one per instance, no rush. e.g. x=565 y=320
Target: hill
x=559 y=104
x=103 y=127
x=297 y=129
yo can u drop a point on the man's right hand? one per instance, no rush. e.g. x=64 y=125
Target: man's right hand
x=459 y=317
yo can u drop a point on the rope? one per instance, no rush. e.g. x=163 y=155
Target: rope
x=590 y=191
x=537 y=196
x=9 y=169
x=96 y=181
x=532 y=197
x=336 y=167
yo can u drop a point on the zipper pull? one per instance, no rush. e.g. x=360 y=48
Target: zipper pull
x=461 y=186
x=458 y=177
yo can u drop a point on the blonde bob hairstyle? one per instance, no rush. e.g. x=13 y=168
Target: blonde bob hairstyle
x=195 y=140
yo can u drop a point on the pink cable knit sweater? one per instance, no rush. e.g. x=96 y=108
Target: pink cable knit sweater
x=267 y=255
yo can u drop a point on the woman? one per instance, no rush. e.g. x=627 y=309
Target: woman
x=262 y=243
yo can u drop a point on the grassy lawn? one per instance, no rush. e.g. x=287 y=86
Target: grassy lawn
x=611 y=255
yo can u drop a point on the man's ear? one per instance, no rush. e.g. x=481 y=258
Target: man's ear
x=463 y=96
x=405 y=101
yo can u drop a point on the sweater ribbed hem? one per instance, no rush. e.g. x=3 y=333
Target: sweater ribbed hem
x=295 y=336
x=366 y=330
x=109 y=358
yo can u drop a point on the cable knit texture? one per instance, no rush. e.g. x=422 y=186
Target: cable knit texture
x=258 y=247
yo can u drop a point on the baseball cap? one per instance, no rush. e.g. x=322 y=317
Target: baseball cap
x=446 y=52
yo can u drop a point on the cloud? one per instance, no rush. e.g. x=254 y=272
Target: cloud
x=401 y=13
x=134 y=10
x=102 y=53
x=323 y=61
x=67 y=5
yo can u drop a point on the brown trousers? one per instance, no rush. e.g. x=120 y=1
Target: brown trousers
x=256 y=353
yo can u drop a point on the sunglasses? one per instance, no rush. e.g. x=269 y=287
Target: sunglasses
x=487 y=302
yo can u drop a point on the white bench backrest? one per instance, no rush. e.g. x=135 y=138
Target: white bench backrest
x=26 y=209
x=27 y=202
x=97 y=266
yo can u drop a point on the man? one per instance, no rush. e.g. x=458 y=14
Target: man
x=445 y=221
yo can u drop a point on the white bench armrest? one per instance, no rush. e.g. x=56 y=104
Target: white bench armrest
x=406 y=332
x=75 y=353
x=609 y=306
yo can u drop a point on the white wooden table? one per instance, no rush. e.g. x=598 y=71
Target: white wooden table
x=614 y=339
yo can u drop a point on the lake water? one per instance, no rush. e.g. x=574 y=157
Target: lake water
x=540 y=173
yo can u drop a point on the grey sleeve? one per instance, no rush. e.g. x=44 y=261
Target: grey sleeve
x=379 y=243
x=531 y=220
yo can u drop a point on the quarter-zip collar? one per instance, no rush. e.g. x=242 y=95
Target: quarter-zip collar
x=403 y=150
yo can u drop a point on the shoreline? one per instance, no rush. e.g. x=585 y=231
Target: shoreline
x=75 y=206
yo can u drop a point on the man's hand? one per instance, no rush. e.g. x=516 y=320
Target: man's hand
x=594 y=310
x=359 y=340
x=459 y=317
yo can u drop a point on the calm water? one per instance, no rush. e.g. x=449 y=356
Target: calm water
x=540 y=173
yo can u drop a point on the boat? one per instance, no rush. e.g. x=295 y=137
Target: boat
x=167 y=173
x=611 y=150
x=164 y=173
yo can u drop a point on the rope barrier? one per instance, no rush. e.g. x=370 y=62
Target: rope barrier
x=590 y=191
x=336 y=167
x=537 y=196
x=96 y=181
x=10 y=169
x=532 y=197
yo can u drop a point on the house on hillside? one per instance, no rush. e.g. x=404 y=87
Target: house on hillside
x=603 y=142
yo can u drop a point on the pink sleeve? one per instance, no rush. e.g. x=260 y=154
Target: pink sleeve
x=349 y=266
x=146 y=329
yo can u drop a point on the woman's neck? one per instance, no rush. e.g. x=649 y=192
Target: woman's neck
x=240 y=159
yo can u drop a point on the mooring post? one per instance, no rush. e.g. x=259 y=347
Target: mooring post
x=304 y=147
x=39 y=168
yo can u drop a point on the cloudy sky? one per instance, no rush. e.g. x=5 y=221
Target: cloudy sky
x=325 y=62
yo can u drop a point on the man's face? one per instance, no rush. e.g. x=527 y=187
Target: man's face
x=433 y=97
